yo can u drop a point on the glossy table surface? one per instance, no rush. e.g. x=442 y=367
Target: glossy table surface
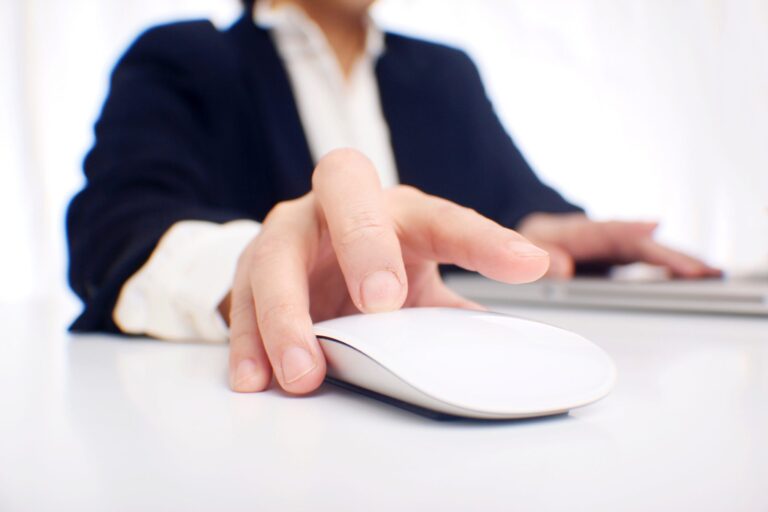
x=96 y=423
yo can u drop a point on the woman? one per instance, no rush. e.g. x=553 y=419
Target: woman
x=203 y=169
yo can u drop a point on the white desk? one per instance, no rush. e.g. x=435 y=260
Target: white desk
x=104 y=424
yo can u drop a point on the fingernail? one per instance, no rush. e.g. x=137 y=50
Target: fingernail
x=526 y=249
x=380 y=291
x=296 y=363
x=245 y=377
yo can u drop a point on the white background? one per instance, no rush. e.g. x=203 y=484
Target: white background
x=654 y=109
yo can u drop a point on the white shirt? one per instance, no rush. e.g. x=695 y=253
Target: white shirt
x=335 y=112
x=176 y=294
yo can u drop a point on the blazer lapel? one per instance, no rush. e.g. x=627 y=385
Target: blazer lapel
x=399 y=93
x=266 y=75
x=401 y=97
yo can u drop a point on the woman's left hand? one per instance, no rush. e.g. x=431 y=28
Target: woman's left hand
x=574 y=238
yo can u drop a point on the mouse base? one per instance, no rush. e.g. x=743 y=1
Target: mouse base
x=431 y=413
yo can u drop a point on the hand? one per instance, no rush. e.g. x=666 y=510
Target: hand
x=571 y=238
x=349 y=246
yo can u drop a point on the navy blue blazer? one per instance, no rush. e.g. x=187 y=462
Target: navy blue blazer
x=202 y=124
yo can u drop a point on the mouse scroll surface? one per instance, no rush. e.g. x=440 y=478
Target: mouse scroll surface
x=467 y=363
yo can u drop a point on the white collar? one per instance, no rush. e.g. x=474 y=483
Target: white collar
x=292 y=21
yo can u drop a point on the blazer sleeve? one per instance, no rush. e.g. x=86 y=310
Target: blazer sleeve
x=447 y=137
x=514 y=191
x=150 y=166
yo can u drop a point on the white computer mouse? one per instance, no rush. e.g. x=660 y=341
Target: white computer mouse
x=466 y=363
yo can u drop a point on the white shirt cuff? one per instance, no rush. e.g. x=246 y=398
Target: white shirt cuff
x=176 y=294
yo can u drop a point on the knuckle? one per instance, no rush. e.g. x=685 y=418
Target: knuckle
x=246 y=258
x=281 y=209
x=318 y=175
x=269 y=249
x=364 y=227
x=276 y=318
x=263 y=252
x=244 y=261
x=271 y=246
x=242 y=330
x=444 y=209
x=239 y=309
x=240 y=336
x=408 y=192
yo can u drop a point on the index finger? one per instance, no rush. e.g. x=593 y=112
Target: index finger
x=681 y=265
x=443 y=231
x=362 y=234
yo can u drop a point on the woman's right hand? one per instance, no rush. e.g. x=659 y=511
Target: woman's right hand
x=348 y=246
